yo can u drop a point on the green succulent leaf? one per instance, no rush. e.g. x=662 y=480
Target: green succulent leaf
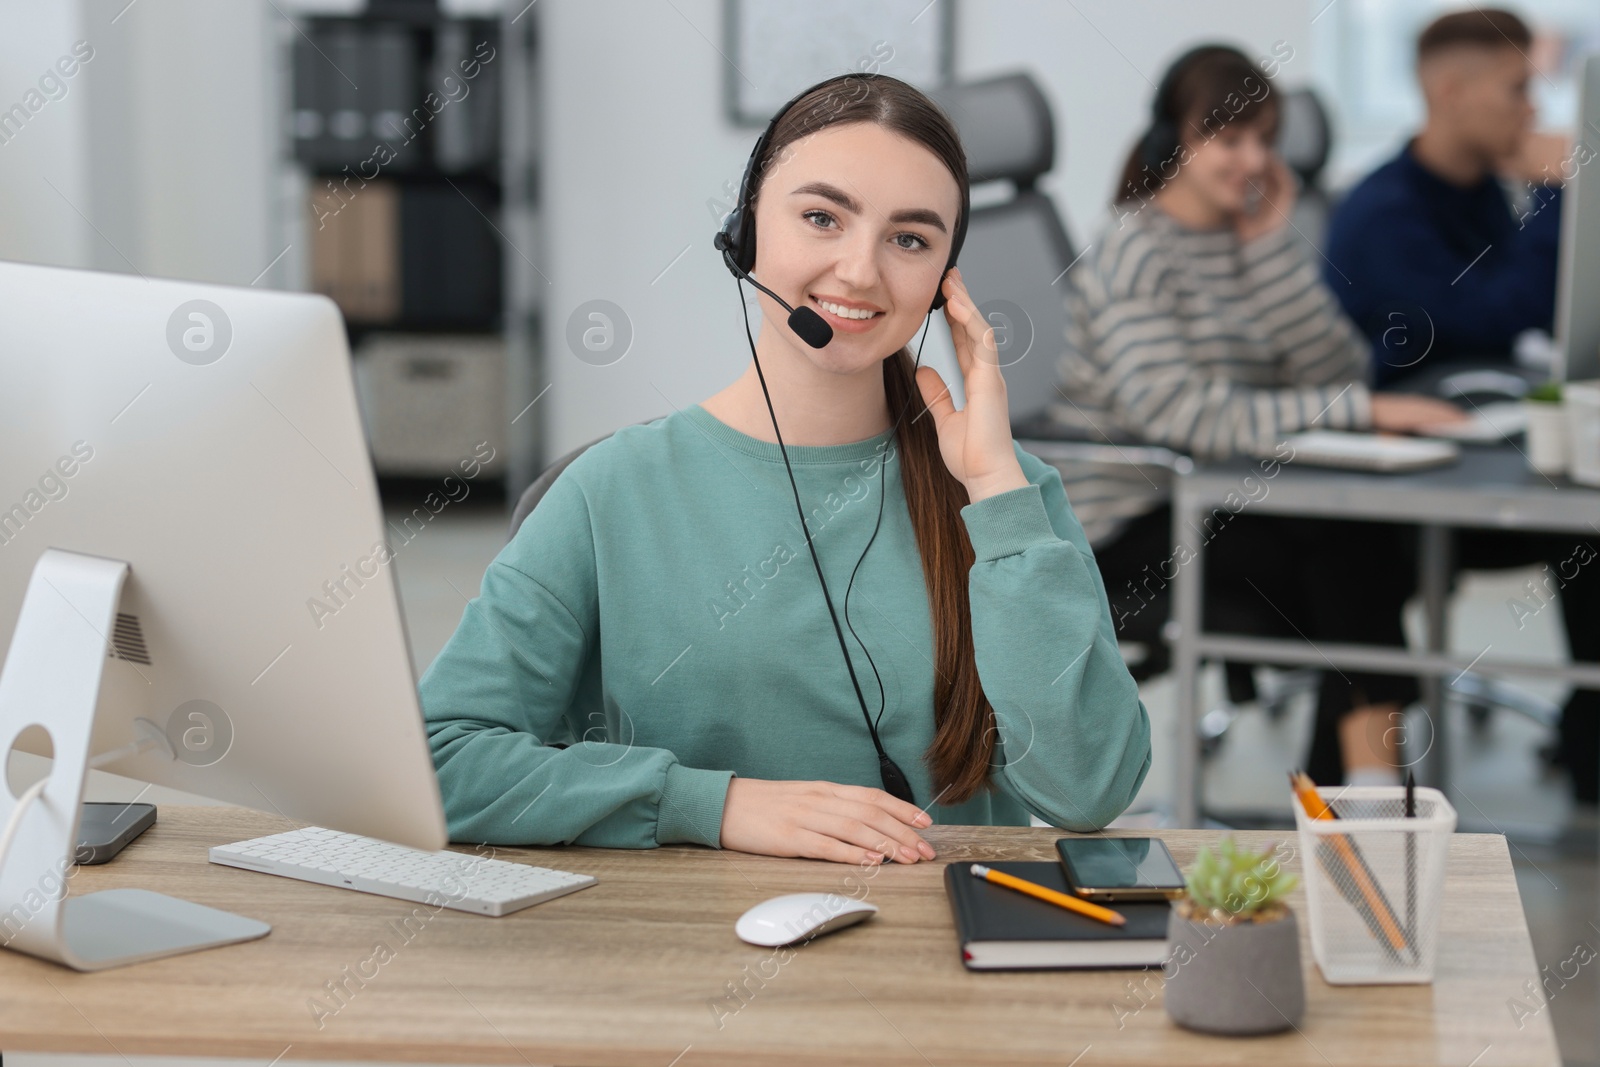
x=1237 y=881
x=1546 y=392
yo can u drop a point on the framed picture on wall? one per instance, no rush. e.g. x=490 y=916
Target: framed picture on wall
x=774 y=50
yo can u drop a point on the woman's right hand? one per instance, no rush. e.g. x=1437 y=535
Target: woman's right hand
x=822 y=820
x=1411 y=413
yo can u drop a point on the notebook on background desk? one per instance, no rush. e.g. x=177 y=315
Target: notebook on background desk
x=1370 y=451
x=1002 y=929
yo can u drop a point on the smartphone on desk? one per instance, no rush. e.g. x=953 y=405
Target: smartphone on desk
x=1120 y=868
x=105 y=829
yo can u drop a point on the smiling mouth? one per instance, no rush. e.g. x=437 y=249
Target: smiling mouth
x=842 y=312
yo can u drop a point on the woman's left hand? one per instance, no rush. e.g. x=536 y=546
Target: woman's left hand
x=975 y=442
x=1272 y=204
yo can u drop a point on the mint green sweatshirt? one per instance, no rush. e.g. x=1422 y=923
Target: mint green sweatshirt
x=656 y=627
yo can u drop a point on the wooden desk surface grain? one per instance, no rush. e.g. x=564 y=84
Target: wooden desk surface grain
x=637 y=970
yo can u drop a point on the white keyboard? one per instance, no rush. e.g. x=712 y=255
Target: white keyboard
x=1490 y=423
x=457 y=880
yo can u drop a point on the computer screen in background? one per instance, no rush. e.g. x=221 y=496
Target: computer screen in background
x=1577 y=325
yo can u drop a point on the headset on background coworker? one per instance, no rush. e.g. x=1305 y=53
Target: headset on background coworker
x=737 y=243
x=1162 y=139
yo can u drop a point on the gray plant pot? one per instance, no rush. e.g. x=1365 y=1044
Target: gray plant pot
x=1241 y=978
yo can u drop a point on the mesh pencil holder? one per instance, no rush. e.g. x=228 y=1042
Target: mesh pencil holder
x=1375 y=882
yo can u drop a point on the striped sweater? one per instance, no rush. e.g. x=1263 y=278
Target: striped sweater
x=1192 y=340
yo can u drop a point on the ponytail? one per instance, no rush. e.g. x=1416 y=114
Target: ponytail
x=964 y=726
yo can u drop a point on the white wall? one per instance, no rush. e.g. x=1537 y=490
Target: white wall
x=636 y=144
x=183 y=137
x=38 y=224
x=160 y=153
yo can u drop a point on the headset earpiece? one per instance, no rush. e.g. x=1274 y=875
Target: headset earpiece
x=1160 y=144
x=1162 y=138
x=955 y=250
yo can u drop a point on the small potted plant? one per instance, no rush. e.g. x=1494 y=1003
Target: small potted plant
x=1233 y=946
x=1547 y=429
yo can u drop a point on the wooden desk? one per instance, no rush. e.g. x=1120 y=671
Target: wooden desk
x=629 y=972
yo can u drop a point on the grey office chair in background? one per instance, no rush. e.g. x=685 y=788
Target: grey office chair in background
x=1305 y=141
x=541 y=485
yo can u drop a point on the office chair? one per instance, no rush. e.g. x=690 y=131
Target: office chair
x=1305 y=141
x=541 y=485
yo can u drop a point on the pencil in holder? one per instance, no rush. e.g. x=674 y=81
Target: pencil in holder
x=1375 y=882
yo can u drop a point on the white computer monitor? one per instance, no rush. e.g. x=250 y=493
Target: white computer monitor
x=1577 y=325
x=209 y=436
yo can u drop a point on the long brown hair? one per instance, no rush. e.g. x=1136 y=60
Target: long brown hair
x=1204 y=90
x=963 y=742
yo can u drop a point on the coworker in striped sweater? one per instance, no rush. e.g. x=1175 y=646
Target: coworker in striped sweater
x=1198 y=323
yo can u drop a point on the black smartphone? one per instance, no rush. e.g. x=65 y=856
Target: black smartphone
x=1120 y=868
x=107 y=828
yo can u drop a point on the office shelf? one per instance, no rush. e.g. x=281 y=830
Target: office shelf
x=407 y=151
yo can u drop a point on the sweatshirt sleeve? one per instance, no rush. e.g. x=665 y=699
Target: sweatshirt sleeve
x=496 y=702
x=1143 y=344
x=1074 y=737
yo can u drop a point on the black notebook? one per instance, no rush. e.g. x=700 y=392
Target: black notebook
x=1002 y=929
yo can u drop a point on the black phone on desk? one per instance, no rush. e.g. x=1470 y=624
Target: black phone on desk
x=104 y=829
x=1120 y=868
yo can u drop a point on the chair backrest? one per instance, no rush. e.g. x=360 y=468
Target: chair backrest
x=1017 y=249
x=1305 y=135
x=1305 y=140
x=541 y=485
x=535 y=492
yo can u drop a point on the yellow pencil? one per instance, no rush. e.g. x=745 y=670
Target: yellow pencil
x=1022 y=885
x=1350 y=858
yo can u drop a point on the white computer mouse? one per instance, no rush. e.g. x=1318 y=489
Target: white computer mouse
x=800 y=917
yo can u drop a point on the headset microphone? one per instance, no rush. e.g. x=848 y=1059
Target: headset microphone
x=807 y=324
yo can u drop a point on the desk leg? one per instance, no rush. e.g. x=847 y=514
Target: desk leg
x=1434 y=567
x=1186 y=593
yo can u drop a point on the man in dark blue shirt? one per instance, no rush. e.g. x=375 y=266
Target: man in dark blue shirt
x=1427 y=254
x=1430 y=259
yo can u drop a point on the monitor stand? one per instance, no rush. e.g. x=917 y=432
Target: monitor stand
x=51 y=678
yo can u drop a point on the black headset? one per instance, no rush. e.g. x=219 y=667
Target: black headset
x=1162 y=139
x=737 y=243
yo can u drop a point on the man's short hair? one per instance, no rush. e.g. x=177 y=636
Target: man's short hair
x=1481 y=28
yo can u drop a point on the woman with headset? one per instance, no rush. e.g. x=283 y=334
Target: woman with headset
x=710 y=631
x=1198 y=322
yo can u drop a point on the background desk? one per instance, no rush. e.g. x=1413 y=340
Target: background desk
x=1488 y=486
x=626 y=972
